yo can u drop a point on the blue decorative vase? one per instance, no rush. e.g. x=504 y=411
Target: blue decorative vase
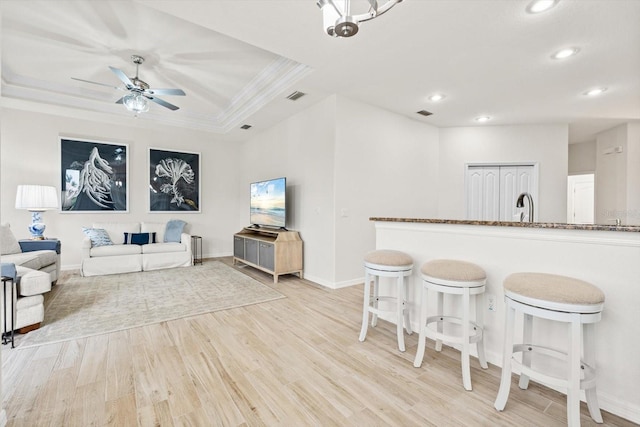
x=37 y=226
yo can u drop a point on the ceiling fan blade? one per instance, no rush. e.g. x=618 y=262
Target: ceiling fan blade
x=163 y=103
x=165 y=92
x=97 y=83
x=122 y=76
x=120 y=101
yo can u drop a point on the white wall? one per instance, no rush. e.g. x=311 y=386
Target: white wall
x=345 y=162
x=30 y=154
x=582 y=158
x=386 y=165
x=544 y=144
x=611 y=176
x=633 y=173
x=302 y=149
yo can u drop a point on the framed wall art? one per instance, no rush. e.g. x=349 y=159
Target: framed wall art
x=174 y=181
x=93 y=176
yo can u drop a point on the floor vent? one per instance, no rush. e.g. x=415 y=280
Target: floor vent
x=296 y=95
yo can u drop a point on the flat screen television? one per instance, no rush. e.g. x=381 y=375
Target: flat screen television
x=268 y=203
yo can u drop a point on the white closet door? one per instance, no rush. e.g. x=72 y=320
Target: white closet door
x=483 y=193
x=475 y=192
x=515 y=180
x=509 y=193
x=492 y=191
x=491 y=195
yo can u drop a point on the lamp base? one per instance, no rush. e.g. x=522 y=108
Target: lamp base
x=37 y=227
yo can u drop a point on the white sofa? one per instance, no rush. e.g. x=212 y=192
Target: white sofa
x=127 y=258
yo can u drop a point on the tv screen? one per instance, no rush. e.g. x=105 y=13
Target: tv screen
x=268 y=202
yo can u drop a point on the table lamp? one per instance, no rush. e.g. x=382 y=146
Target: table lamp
x=36 y=199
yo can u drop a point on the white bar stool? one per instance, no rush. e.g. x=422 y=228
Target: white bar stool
x=453 y=277
x=563 y=299
x=386 y=263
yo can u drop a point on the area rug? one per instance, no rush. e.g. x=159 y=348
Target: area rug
x=79 y=307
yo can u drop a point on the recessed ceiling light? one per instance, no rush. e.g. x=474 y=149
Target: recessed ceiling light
x=595 y=91
x=437 y=97
x=483 y=119
x=538 y=6
x=565 y=53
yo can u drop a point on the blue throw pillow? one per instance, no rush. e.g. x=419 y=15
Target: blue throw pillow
x=173 y=231
x=139 y=238
x=98 y=236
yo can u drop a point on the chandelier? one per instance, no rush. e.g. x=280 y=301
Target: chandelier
x=338 y=21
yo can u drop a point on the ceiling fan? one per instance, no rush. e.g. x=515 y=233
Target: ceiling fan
x=140 y=93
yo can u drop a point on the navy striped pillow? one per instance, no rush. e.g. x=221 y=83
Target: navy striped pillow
x=139 y=238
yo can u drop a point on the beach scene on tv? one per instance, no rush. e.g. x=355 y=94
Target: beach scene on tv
x=268 y=203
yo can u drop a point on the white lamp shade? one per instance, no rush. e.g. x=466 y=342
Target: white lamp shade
x=36 y=197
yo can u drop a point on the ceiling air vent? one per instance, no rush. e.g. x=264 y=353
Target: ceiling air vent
x=296 y=95
x=245 y=127
x=424 y=113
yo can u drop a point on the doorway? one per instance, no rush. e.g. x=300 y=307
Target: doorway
x=580 y=199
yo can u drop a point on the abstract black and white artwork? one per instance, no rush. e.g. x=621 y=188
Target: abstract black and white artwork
x=174 y=181
x=93 y=176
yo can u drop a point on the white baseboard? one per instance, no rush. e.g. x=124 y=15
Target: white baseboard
x=319 y=281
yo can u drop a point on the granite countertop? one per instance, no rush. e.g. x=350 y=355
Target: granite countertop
x=555 y=225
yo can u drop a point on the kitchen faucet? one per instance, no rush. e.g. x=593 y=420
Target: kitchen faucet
x=520 y=204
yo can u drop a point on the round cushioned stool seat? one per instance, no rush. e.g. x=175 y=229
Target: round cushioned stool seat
x=461 y=272
x=387 y=258
x=552 y=291
x=390 y=264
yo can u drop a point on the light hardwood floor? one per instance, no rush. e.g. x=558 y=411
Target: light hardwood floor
x=296 y=361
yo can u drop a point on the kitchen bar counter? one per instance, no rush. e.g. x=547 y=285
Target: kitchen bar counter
x=608 y=258
x=554 y=225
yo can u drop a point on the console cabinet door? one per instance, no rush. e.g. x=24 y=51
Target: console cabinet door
x=267 y=256
x=238 y=247
x=251 y=250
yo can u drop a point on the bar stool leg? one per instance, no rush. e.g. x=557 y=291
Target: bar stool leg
x=439 y=323
x=527 y=338
x=417 y=362
x=573 y=386
x=399 y=312
x=588 y=342
x=480 y=322
x=405 y=311
x=505 y=379
x=466 y=369
x=365 y=308
x=374 y=317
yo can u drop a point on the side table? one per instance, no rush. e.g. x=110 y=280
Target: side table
x=28 y=245
x=11 y=282
x=196 y=249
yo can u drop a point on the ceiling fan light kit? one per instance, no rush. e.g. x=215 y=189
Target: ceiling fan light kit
x=140 y=92
x=338 y=20
x=136 y=103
